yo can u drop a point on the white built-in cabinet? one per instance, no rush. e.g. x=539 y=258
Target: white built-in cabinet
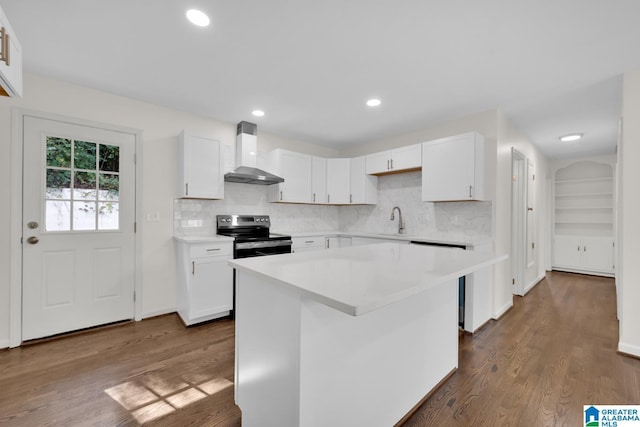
x=200 y=167
x=401 y=159
x=307 y=243
x=453 y=168
x=10 y=60
x=584 y=218
x=205 y=281
x=296 y=169
x=319 y=180
x=338 y=181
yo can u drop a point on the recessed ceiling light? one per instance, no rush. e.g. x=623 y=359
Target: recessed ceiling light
x=258 y=113
x=197 y=17
x=571 y=137
x=373 y=102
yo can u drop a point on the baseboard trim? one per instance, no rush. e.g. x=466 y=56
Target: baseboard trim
x=156 y=313
x=629 y=350
x=498 y=314
x=4 y=344
x=534 y=283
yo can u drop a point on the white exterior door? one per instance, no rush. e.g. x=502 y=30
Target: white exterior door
x=78 y=227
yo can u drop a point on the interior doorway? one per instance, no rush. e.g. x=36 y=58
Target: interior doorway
x=519 y=178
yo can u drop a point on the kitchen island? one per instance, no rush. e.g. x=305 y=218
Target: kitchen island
x=348 y=336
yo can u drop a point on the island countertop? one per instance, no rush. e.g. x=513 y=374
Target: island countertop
x=358 y=280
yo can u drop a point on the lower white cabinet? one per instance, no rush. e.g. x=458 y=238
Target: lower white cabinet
x=587 y=254
x=307 y=243
x=205 y=281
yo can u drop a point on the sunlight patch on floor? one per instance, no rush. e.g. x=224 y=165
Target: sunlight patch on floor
x=152 y=397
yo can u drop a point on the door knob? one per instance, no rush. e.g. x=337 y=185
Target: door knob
x=32 y=240
x=32 y=225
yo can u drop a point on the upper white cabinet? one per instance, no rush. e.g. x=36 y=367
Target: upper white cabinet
x=10 y=60
x=364 y=188
x=338 y=181
x=296 y=169
x=319 y=180
x=401 y=159
x=200 y=167
x=453 y=168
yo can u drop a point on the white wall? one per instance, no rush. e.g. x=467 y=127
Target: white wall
x=628 y=275
x=160 y=128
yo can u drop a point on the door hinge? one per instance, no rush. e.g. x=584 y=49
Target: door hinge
x=135 y=227
x=135 y=158
x=513 y=281
x=533 y=245
x=134 y=296
x=534 y=177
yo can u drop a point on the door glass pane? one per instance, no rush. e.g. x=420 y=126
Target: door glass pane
x=84 y=155
x=108 y=215
x=57 y=215
x=109 y=160
x=58 y=184
x=58 y=152
x=84 y=186
x=84 y=215
x=109 y=187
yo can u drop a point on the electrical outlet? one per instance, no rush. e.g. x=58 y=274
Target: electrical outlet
x=153 y=216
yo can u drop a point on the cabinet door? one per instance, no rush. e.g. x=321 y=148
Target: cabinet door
x=364 y=188
x=597 y=254
x=296 y=169
x=378 y=162
x=453 y=168
x=211 y=286
x=11 y=73
x=319 y=180
x=200 y=168
x=409 y=157
x=338 y=181
x=567 y=252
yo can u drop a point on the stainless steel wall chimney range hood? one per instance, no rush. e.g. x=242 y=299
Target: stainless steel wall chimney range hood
x=246 y=171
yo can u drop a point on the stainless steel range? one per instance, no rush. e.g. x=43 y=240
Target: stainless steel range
x=252 y=236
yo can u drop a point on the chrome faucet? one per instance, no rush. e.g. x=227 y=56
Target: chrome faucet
x=400 y=222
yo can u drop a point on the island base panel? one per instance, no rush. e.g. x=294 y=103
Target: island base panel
x=300 y=362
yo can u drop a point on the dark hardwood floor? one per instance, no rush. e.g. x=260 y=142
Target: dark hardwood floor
x=553 y=352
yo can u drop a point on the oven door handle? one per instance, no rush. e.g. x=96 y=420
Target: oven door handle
x=263 y=244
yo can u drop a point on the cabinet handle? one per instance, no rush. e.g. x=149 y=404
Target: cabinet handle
x=584 y=249
x=213 y=249
x=193 y=268
x=578 y=248
x=327 y=246
x=388 y=167
x=314 y=197
x=391 y=163
x=328 y=198
x=280 y=195
x=470 y=187
x=5 y=48
x=186 y=188
x=350 y=198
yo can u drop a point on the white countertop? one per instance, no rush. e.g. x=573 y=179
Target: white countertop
x=441 y=238
x=204 y=239
x=357 y=280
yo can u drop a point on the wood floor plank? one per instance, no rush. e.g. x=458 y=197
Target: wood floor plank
x=553 y=352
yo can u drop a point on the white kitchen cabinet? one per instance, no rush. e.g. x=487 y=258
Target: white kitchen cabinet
x=453 y=168
x=401 y=159
x=307 y=243
x=200 y=167
x=337 y=242
x=364 y=188
x=296 y=169
x=205 y=281
x=583 y=254
x=319 y=180
x=10 y=60
x=338 y=181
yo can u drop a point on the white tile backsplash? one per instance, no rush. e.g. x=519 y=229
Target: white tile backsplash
x=473 y=219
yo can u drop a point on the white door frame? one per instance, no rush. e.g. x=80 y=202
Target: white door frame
x=15 y=264
x=518 y=221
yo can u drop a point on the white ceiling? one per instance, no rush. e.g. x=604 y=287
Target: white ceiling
x=553 y=66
